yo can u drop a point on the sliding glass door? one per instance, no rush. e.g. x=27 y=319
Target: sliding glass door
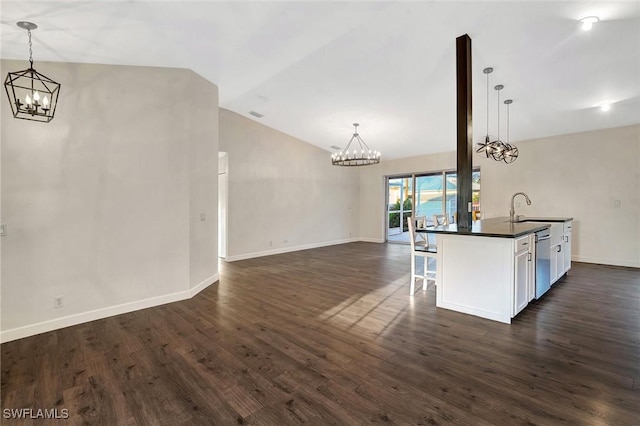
x=426 y=195
x=451 y=204
x=399 y=207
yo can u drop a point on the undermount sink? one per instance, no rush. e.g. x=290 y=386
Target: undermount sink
x=523 y=219
x=517 y=220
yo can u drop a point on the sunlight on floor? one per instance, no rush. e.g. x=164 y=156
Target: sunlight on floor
x=363 y=312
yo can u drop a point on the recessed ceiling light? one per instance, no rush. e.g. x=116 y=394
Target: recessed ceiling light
x=587 y=23
x=605 y=107
x=256 y=114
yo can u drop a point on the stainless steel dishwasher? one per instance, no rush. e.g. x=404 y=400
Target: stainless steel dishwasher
x=543 y=262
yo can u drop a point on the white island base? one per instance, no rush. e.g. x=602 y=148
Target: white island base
x=490 y=277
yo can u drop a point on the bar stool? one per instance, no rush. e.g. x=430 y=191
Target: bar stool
x=440 y=219
x=420 y=247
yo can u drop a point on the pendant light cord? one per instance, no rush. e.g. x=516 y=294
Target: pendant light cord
x=487 y=106
x=498 y=115
x=508 y=139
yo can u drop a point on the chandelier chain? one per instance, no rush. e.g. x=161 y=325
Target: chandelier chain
x=30 y=49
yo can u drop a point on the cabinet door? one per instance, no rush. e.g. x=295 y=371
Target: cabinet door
x=521 y=281
x=532 y=269
x=557 y=260
x=566 y=249
x=553 y=264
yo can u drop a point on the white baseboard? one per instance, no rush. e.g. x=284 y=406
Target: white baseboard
x=494 y=316
x=289 y=249
x=605 y=261
x=204 y=284
x=75 y=319
x=372 y=240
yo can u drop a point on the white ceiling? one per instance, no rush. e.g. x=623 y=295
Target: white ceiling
x=314 y=68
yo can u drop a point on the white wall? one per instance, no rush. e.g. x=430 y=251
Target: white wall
x=284 y=194
x=103 y=204
x=223 y=196
x=577 y=175
x=203 y=135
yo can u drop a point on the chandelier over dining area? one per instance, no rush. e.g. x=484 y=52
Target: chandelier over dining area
x=360 y=155
x=32 y=95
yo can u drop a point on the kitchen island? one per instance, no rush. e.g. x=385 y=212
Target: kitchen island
x=488 y=270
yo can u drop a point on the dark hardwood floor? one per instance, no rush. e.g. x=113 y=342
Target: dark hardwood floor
x=331 y=336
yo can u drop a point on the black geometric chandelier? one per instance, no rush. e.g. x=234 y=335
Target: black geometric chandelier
x=364 y=157
x=490 y=146
x=32 y=96
x=485 y=146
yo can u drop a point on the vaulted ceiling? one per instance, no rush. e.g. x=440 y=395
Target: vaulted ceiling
x=314 y=68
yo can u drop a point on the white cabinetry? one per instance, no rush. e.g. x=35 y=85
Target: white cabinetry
x=566 y=246
x=490 y=277
x=522 y=283
x=560 y=250
x=557 y=256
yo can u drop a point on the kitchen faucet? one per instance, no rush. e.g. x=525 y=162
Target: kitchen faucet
x=512 y=212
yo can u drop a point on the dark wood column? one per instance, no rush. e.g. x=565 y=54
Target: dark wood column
x=464 y=129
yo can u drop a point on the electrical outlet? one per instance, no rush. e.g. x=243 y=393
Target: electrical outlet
x=3 y=230
x=517 y=203
x=270 y=243
x=203 y=217
x=616 y=204
x=58 y=302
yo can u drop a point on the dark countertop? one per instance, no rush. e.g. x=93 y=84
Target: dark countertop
x=546 y=219
x=494 y=227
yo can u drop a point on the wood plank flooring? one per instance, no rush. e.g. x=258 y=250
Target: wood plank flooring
x=331 y=336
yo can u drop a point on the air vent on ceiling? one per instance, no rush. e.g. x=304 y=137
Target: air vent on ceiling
x=256 y=114
x=335 y=147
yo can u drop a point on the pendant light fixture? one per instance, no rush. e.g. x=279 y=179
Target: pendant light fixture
x=511 y=151
x=484 y=145
x=497 y=147
x=32 y=96
x=364 y=157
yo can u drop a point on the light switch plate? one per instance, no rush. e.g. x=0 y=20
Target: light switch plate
x=3 y=230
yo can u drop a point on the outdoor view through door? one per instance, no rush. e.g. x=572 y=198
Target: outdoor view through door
x=435 y=193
